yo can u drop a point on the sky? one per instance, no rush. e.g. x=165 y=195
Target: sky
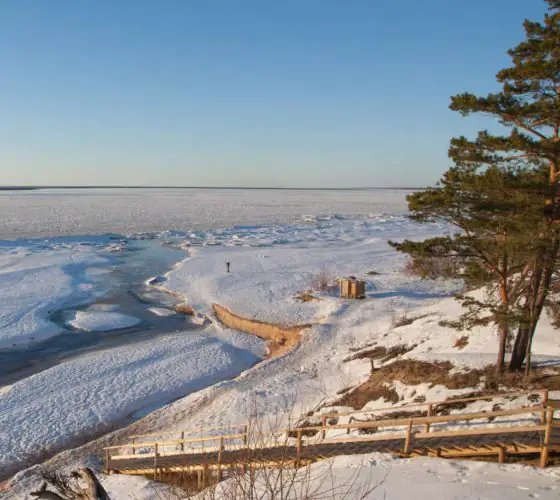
x=276 y=93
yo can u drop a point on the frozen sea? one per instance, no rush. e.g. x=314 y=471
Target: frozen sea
x=83 y=280
x=62 y=212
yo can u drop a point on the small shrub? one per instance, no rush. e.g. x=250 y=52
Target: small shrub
x=432 y=267
x=306 y=297
x=322 y=281
x=403 y=320
x=461 y=342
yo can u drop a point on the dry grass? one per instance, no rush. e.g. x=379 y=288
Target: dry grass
x=323 y=281
x=414 y=372
x=365 y=393
x=391 y=416
x=398 y=350
x=377 y=352
x=306 y=297
x=461 y=342
x=382 y=353
x=405 y=320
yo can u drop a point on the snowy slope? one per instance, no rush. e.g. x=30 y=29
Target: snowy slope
x=377 y=476
x=270 y=265
x=90 y=394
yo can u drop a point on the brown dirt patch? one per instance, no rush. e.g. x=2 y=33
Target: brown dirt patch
x=398 y=350
x=306 y=297
x=365 y=393
x=414 y=372
x=391 y=416
x=382 y=353
x=185 y=309
x=280 y=338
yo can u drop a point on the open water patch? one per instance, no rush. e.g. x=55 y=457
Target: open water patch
x=101 y=325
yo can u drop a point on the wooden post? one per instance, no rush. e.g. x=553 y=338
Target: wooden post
x=502 y=455
x=182 y=440
x=199 y=479
x=298 y=446
x=155 y=462
x=544 y=403
x=408 y=438
x=430 y=413
x=246 y=436
x=547 y=437
x=324 y=427
x=204 y=475
x=220 y=450
x=107 y=462
x=134 y=446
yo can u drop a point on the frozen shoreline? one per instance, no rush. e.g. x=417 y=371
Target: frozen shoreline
x=269 y=266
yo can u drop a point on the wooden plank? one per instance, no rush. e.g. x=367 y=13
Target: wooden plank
x=365 y=439
x=479 y=432
x=193 y=431
x=175 y=442
x=401 y=422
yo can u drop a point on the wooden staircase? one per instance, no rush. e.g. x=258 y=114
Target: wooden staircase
x=528 y=433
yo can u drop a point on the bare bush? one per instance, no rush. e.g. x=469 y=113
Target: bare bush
x=287 y=476
x=323 y=281
x=461 y=342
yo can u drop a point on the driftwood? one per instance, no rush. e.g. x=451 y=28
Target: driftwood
x=47 y=495
x=79 y=485
x=95 y=488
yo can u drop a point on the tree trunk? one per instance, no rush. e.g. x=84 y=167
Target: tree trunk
x=520 y=347
x=503 y=332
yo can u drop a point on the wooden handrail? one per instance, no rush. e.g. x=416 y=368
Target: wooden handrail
x=408 y=422
x=190 y=432
x=542 y=392
x=397 y=422
x=175 y=442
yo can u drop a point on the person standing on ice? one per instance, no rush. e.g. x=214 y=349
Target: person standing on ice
x=227 y=266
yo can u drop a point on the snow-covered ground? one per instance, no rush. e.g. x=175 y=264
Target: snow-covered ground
x=99 y=321
x=82 y=397
x=270 y=265
x=377 y=476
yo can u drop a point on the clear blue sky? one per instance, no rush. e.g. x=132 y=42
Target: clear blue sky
x=333 y=93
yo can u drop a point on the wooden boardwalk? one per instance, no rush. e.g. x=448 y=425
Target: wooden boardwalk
x=527 y=433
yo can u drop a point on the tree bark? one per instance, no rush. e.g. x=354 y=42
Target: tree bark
x=500 y=362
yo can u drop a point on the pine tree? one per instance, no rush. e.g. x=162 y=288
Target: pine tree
x=529 y=106
x=489 y=209
x=528 y=109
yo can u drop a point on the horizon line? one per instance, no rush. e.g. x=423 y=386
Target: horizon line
x=96 y=186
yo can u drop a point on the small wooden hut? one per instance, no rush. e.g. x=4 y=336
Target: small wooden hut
x=351 y=288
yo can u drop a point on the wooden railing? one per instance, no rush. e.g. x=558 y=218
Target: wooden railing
x=403 y=429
